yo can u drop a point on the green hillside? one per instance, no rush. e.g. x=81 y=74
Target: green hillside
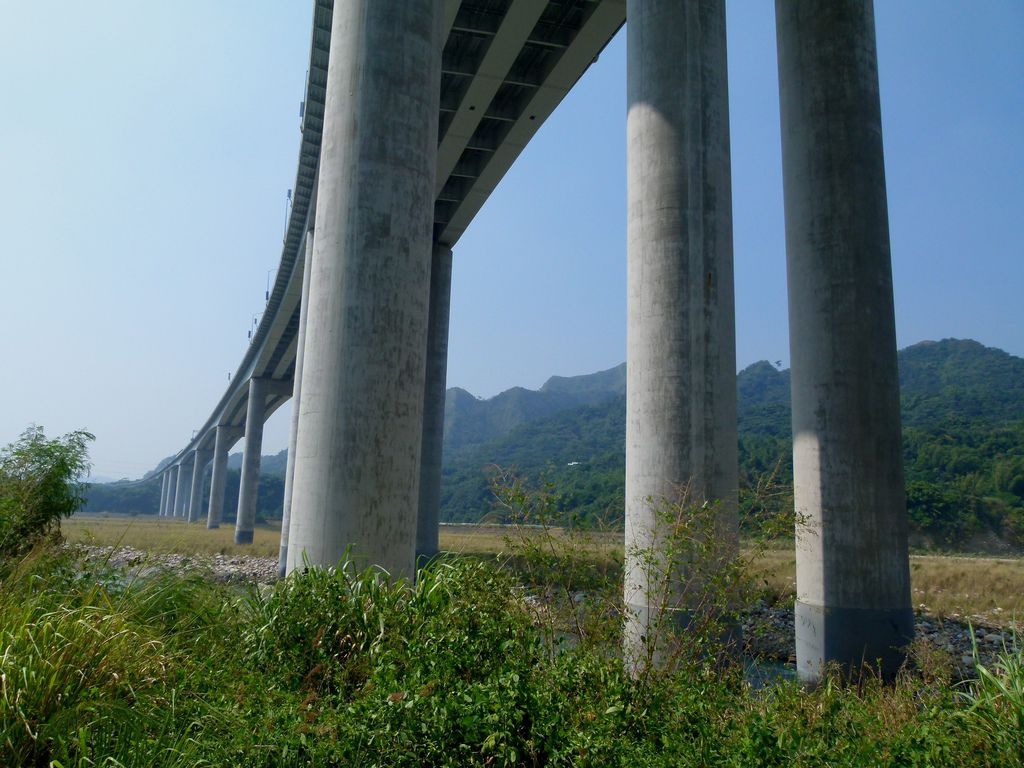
x=963 y=411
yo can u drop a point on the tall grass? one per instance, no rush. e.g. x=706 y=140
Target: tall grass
x=94 y=667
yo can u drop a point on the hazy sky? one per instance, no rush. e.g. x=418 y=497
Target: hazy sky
x=146 y=149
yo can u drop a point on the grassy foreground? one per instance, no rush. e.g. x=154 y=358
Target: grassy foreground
x=342 y=669
x=985 y=587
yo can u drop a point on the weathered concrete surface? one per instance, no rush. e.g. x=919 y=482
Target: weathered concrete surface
x=853 y=584
x=357 y=463
x=433 y=404
x=681 y=385
x=249 y=487
x=202 y=458
x=289 y=473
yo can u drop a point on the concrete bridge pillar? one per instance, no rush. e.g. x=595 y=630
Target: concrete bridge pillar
x=163 y=495
x=165 y=508
x=357 y=462
x=181 y=489
x=433 y=403
x=172 y=486
x=255 y=414
x=289 y=472
x=681 y=388
x=853 y=576
x=224 y=438
x=202 y=458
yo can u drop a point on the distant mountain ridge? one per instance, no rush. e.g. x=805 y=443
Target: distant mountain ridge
x=937 y=379
x=274 y=465
x=470 y=421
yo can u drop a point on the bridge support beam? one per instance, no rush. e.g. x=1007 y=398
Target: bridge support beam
x=172 y=487
x=165 y=509
x=181 y=489
x=202 y=458
x=433 y=403
x=163 y=495
x=681 y=359
x=853 y=579
x=224 y=438
x=289 y=472
x=357 y=465
x=248 y=490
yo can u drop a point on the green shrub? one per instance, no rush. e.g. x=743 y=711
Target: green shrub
x=40 y=482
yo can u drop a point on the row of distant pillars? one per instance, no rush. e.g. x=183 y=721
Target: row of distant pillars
x=364 y=462
x=188 y=478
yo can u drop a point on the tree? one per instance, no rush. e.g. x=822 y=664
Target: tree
x=41 y=481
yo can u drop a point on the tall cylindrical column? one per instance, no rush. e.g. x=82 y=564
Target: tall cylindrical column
x=163 y=495
x=181 y=489
x=198 y=474
x=681 y=360
x=249 y=488
x=223 y=439
x=853 y=577
x=357 y=462
x=165 y=502
x=289 y=472
x=433 y=403
x=172 y=487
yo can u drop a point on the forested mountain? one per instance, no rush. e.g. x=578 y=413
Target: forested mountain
x=963 y=415
x=470 y=421
x=275 y=465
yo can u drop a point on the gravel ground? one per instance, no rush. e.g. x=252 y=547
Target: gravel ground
x=223 y=568
x=768 y=630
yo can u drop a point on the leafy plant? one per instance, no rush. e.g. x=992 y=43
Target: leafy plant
x=40 y=483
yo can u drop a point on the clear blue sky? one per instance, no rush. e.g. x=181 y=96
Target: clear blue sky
x=146 y=149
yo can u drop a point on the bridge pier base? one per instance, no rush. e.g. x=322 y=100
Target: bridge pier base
x=853 y=582
x=245 y=519
x=681 y=448
x=433 y=404
x=357 y=460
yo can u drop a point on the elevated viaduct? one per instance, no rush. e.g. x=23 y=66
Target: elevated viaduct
x=413 y=113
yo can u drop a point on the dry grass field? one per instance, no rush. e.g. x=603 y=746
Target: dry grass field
x=942 y=585
x=986 y=587
x=153 y=534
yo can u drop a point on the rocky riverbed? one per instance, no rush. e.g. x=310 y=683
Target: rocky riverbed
x=767 y=629
x=949 y=641
x=239 y=569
